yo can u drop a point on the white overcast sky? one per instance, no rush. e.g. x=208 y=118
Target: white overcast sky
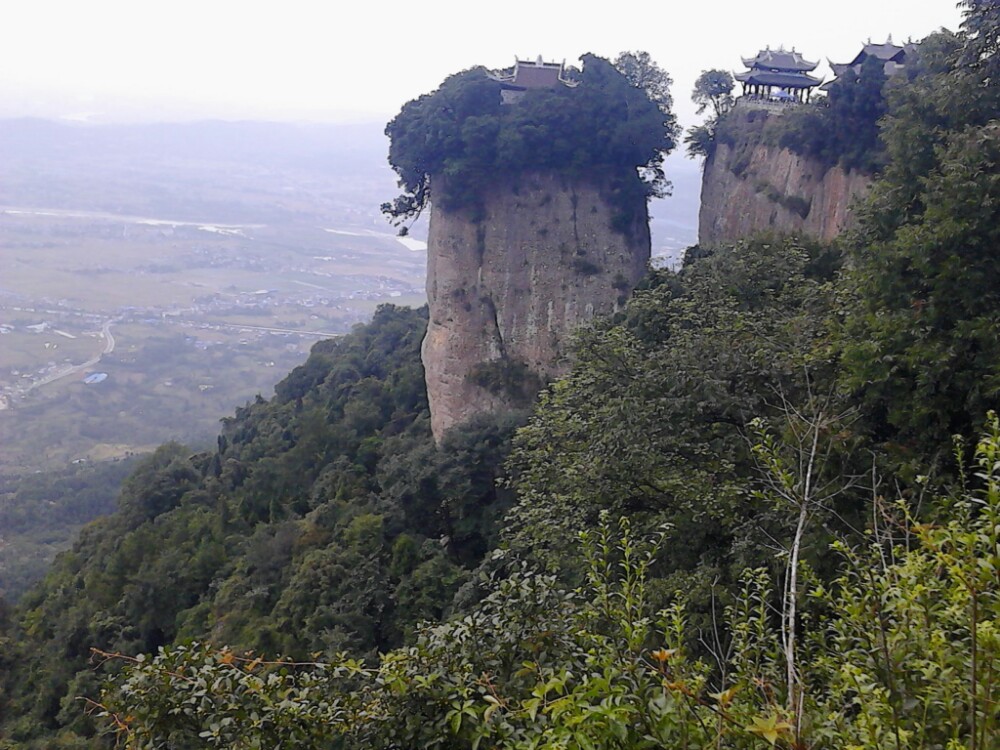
x=361 y=60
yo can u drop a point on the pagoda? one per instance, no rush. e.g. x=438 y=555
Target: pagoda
x=893 y=57
x=779 y=75
x=531 y=74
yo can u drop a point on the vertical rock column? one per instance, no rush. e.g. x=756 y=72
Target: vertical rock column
x=507 y=286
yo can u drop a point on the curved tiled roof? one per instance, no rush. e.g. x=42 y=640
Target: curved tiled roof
x=780 y=60
x=778 y=78
x=887 y=51
x=892 y=55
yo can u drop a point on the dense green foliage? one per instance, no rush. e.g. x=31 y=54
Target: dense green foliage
x=41 y=513
x=325 y=520
x=461 y=139
x=704 y=352
x=982 y=28
x=713 y=89
x=844 y=130
x=642 y=72
x=753 y=408
x=922 y=353
x=902 y=652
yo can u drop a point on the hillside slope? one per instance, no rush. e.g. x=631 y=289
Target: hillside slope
x=325 y=520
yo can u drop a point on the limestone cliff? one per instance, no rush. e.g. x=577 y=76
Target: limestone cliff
x=755 y=187
x=508 y=284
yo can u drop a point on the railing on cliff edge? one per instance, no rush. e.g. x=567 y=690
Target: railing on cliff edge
x=773 y=105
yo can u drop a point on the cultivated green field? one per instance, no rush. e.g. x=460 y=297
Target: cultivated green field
x=193 y=266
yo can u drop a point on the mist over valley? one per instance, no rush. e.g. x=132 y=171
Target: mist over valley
x=214 y=253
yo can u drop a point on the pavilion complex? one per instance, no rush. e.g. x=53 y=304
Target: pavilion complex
x=528 y=74
x=780 y=75
x=893 y=57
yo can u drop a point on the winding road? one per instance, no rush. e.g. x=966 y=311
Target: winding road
x=109 y=346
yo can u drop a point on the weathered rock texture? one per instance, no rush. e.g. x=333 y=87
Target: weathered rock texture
x=507 y=286
x=764 y=188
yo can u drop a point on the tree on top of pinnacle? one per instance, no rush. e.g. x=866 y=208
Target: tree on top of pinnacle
x=614 y=125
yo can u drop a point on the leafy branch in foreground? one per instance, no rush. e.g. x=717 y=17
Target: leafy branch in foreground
x=533 y=665
x=906 y=657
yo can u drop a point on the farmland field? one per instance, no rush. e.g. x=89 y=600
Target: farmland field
x=153 y=278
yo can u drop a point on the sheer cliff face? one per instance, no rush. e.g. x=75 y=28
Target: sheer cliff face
x=763 y=189
x=505 y=291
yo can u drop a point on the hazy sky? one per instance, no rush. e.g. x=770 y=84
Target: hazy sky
x=290 y=59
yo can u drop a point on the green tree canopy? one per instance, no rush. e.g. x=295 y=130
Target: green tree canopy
x=642 y=72
x=982 y=28
x=326 y=519
x=460 y=138
x=844 y=129
x=714 y=88
x=921 y=349
x=650 y=422
x=901 y=652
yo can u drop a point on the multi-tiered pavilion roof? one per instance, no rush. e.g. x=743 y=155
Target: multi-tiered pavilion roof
x=778 y=74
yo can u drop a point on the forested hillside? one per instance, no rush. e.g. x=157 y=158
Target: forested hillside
x=40 y=514
x=761 y=510
x=325 y=520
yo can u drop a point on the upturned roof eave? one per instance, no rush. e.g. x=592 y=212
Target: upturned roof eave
x=783 y=80
x=793 y=61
